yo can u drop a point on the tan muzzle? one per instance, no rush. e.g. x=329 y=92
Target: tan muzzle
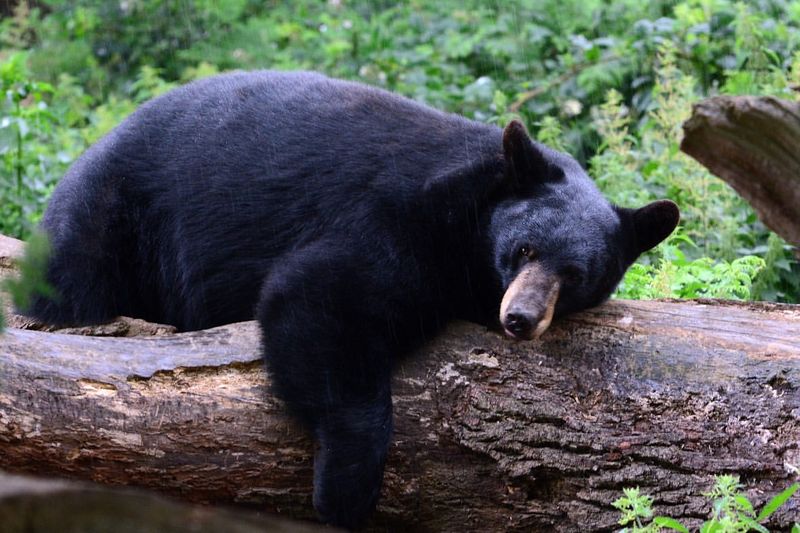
x=529 y=302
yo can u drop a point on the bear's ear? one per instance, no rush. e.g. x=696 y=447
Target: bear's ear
x=523 y=159
x=652 y=224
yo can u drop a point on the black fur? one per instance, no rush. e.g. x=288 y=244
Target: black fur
x=351 y=222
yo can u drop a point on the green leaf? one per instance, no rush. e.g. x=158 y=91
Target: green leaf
x=753 y=525
x=744 y=503
x=670 y=523
x=776 y=502
x=650 y=167
x=796 y=528
x=32 y=278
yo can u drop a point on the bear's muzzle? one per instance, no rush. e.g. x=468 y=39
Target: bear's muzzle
x=529 y=302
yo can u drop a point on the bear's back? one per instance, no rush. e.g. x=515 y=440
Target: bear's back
x=201 y=189
x=322 y=142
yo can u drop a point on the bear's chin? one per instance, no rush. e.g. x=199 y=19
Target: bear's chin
x=511 y=335
x=532 y=335
x=519 y=338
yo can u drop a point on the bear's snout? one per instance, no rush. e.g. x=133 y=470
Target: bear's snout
x=529 y=303
x=519 y=325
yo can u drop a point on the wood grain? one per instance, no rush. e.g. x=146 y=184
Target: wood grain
x=491 y=434
x=753 y=143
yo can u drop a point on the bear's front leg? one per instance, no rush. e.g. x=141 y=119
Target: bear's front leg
x=329 y=355
x=348 y=466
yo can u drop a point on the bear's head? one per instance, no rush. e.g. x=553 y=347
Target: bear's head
x=558 y=245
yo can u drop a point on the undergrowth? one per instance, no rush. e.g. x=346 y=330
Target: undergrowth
x=731 y=510
x=609 y=81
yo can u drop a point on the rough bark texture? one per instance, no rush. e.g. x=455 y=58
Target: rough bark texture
x=491 y=434
x=10 y=249
x=29 y=505
x=753 y=143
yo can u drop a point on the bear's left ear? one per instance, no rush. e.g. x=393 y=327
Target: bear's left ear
x=652 y=224
x=523 y=159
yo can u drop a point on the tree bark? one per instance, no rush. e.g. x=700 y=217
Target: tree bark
x=753 y=143
x=10 y=250
x=490 y=434
x=29 y=505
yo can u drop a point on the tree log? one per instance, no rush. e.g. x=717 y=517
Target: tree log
x=490 y=434
x=753 y=143
x=29 y=505
x=10 y=249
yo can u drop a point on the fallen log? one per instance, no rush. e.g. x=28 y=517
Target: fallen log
x=491 y=434
x=753 y=143
x=32 y=505
x=10 y=250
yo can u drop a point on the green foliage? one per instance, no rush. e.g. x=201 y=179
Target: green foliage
x=32 y=268
x=609 y=81
x=731 y=511
x=775 y=503
x=25 y=129
x=32 y=279
x=715 y=222
x=551 y=133
x=674 y=276
x=636 y=509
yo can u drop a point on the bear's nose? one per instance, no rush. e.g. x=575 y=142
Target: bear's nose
x=519 y=325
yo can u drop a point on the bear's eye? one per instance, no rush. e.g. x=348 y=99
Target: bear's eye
x=525 y=251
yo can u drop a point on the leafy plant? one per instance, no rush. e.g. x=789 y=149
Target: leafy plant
x=32 y=280
x=716 y=223
x=25 y=121
x=674 y=276
x=731 y=511
x=636 y=509
x=608 y=81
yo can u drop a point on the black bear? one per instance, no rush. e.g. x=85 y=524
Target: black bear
x=351 y=222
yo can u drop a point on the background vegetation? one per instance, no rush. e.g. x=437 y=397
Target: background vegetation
x=610 y=81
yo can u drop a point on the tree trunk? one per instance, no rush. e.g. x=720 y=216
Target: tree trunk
x=490 y=434
x=753 y=143
x=29 y=505
x=10 y=250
